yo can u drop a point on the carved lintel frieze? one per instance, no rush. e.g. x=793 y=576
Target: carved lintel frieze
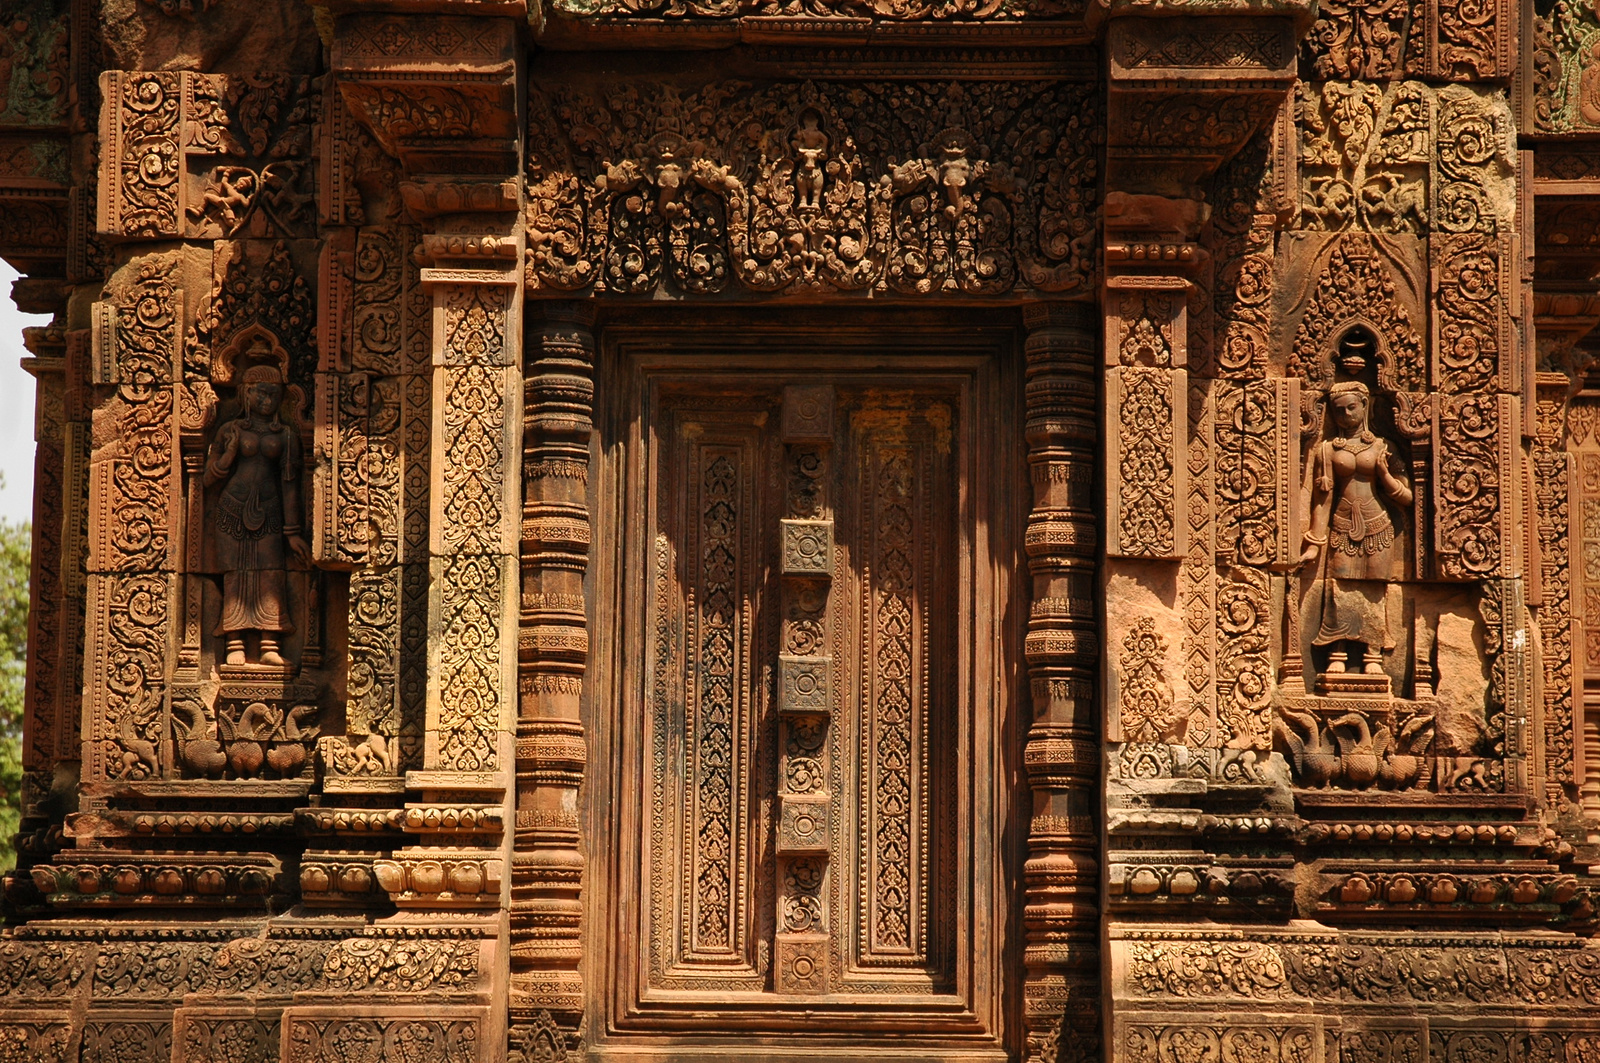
x=829 y=201
x=325 y=1031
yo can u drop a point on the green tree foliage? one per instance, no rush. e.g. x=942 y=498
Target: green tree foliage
x=16 y=541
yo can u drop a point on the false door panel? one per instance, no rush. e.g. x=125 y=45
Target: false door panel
x=803 y=808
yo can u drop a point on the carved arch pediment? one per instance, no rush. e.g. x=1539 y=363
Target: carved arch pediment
x=1362 y=282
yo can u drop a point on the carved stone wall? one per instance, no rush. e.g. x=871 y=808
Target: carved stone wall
x=989 y=530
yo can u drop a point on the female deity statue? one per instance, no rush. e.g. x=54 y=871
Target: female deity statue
x=256 y=457
x=1352 y=533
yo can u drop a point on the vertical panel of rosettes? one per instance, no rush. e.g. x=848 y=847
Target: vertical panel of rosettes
x=1061 y=997
x=806 y=696
x=709 y=567
x=553 y=650
x=1147 y=403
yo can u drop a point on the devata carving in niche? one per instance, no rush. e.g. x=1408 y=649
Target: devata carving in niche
x=1351 y=536
x=257 y=517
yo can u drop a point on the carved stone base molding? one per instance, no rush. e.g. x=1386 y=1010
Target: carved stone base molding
x=1318 y=995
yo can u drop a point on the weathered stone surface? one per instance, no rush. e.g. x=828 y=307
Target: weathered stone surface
x=211 y=36
x=840 y=529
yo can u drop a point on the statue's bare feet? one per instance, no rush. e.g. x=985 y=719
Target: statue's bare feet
x=236 y=651
x=270 y=655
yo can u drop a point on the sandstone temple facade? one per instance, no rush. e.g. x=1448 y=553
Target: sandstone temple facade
x=922 y=530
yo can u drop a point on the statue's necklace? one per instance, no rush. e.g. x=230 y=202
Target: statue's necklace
x=1355 y=446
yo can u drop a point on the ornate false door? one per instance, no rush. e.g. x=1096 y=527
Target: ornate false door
x=807 y=789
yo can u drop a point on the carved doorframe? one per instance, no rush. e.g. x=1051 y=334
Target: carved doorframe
x=986 y=349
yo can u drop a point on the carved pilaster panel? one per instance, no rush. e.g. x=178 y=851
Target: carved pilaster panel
x=1197 y=579
x=135 y=499
x=1474 y=298
x=1256 y=448
x=1146 y=467
x=1473 y=184
x=1244 y=673
x=1587 y=525
x=1452 y=40
x=477 y=430
x=1476 y=460
x=48 y=631
x=1554 y=521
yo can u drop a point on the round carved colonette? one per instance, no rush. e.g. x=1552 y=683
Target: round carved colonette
x=1062 y=991
x=547 y=865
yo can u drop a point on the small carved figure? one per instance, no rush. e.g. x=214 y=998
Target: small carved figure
x=1352 y=533
x=1331 y=203
x=1315 y=760
x=1401 y=754
x=1358 y=758
x=139 y=758
x=371 y=756
x=232 y=192
x=1393 y=205
x=955 y=170
x=198 y=748
x=811 y=144
x=256 y=457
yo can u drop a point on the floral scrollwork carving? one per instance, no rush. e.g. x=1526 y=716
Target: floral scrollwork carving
x=1148 y=711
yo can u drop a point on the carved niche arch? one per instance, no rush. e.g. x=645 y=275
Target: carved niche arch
x=1357 y=287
